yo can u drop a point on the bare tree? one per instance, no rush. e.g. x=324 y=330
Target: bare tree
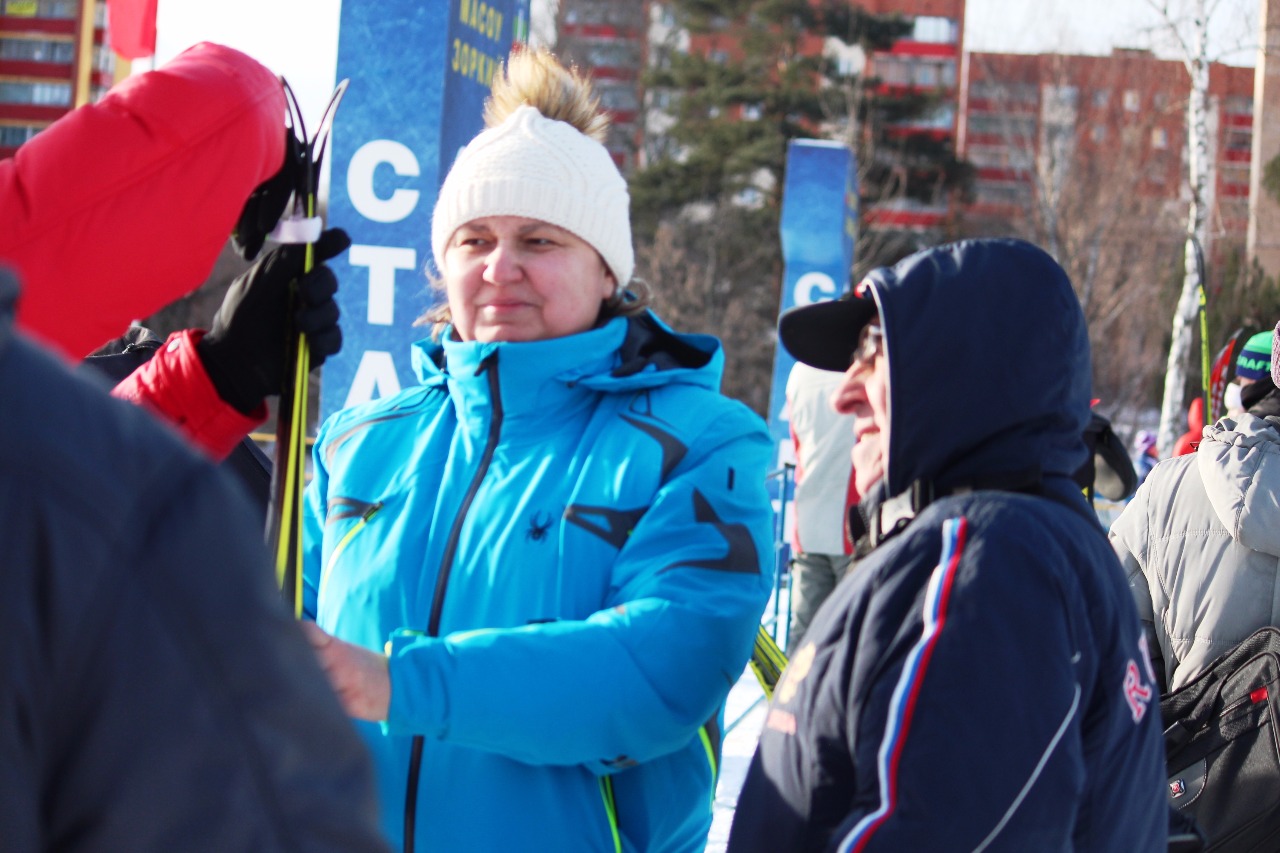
x=1087 y=148
x=713 y=275
x=1186 y=25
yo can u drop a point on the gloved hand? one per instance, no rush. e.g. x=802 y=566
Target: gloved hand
x=267 y=202
x=247 y=347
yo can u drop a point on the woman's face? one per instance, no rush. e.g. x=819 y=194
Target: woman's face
x=514 y=279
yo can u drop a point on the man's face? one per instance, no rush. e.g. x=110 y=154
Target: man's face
x=864 y=393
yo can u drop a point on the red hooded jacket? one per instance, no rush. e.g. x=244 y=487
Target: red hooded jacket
x=1190 y=440
x=121 y=207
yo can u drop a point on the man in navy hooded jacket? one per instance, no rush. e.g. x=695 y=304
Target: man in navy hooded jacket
x=980 y=681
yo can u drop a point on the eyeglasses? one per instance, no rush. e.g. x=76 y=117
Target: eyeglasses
x=870 y=344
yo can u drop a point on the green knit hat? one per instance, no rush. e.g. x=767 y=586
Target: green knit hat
x=1255 y=359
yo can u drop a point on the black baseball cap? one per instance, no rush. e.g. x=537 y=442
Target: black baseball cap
x=824 y=334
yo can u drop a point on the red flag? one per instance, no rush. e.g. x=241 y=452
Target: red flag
x=132 y=25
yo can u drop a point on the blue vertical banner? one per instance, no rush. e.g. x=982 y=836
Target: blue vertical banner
x=819 y=230
x=419 y=75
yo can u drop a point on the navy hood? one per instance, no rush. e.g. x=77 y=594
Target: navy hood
x=988 y=359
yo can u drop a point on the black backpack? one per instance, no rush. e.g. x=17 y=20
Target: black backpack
x=1222 y=747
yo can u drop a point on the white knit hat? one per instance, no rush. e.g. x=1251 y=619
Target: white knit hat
x=541 y=169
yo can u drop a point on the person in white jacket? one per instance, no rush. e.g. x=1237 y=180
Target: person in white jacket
x=1200 y=541
x=823 y=440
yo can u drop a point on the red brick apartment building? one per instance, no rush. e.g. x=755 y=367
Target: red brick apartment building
x=927 y=61
x=1026 y=120
x=53 y=57
x=611 y=40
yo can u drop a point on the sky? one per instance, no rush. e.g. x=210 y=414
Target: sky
x=299 y=38
x=1095 y=26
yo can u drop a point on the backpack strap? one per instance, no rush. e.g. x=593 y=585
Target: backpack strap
x=894 y=514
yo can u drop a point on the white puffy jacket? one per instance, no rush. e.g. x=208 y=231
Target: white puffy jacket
x=1200 y=543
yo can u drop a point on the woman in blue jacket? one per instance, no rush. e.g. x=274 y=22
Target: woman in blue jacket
x=536 y=576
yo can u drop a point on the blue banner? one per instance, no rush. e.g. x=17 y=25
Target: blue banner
x=819 y=229
x=419 y=75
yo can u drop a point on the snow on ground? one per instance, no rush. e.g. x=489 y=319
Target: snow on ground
x=743 y=719
x=744 y=712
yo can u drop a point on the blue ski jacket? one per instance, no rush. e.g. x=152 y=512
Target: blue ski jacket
x=564 y=546
x=980 y=681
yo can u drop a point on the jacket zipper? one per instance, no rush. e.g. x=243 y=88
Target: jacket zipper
x=489 y=364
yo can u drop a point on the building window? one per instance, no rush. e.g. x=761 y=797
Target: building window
x=1000 y=157
x=618 y=98
x=38 y=94
x=1238 y=105
x=1002 y=193
x=1061 y=97
x=103 y=59
x=63 y=9
x=987 y=156
x=949 y=73
x=926 y=75
x=1100 y=97
x=1160 y=100
x=1005 y=93
x=915 y=72
x=37 y=50
x=892 y=70
x=1239 y=139
x=1005 y=125
x=1132 y=100
x=934 y=30
x=13 y=135
x=1159 y=138
x=20 y=8
x=1098 y=132
x=613 y=53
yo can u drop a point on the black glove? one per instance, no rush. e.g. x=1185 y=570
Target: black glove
x=267 y=202
x=247 y=348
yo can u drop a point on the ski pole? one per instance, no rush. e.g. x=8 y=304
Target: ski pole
x=302 y=225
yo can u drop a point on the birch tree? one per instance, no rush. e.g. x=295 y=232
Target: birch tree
x=1186 y=27
x=1192 y=37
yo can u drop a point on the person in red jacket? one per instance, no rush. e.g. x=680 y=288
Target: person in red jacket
x=122 y=206
x=213 y=384
x=1189 y=440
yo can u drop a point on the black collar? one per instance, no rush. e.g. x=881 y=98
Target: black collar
x=892 y=515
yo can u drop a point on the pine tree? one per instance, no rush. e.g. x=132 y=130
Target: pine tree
x=738 y=81
x=753 y=78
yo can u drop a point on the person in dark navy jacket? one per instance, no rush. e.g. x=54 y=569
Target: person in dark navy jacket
x=980 y=682
x=157 y=694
